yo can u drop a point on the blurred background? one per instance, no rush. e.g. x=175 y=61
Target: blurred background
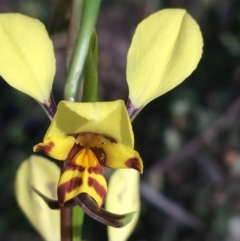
x=189 y=138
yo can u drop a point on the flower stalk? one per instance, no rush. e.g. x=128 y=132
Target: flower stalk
x=89 y=15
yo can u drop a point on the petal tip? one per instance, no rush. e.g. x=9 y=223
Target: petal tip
x=135 y=163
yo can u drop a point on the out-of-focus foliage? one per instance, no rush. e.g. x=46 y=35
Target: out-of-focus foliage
x=203 y=179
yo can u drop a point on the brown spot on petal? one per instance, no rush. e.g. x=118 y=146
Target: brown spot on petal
x=74 y=151
x=67 y=187
x=45 y=148
x=134 y=163
x=97 y=170
x=100 y=189
x=100 y=154
x=70 y=167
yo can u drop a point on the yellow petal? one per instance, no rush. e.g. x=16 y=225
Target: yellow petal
x=57 y=147
x=43 y=175
x=27 y=59
x=165 y=49
x=77 y=179
x=121 y=156
x=122 y=197
x=106 y=118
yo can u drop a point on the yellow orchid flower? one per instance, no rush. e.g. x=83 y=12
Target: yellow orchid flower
x=165 y=49
x=27 y=63
x=88 y=136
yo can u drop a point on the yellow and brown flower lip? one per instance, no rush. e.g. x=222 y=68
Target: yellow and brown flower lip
x=83 y=171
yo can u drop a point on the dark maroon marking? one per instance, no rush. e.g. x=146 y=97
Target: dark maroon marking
x=46 y=148
x=100 y=154
x=70 y=167
x=97 y=170
x=67 y=187
x=74 y=151
x=100 y=189
x=90 y=207
x=131 y=108
x=50 y=106
x=133 y=163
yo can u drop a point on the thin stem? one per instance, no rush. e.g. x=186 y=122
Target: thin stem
x=66 y=224
x=90 y=11
x=77 y=223
x=90 y=90
x=74 y=26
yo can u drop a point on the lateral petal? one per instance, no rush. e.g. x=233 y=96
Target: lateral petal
x=165 y=49
x=57 y=147
x=121 y=156
x=27 y=60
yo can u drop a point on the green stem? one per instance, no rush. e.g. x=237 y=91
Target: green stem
x=90 y=90
x=90 y=11
x=77 y=223
x=74 y=26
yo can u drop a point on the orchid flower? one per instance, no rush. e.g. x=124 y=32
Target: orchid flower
x=100 y=133
x=86 y=137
